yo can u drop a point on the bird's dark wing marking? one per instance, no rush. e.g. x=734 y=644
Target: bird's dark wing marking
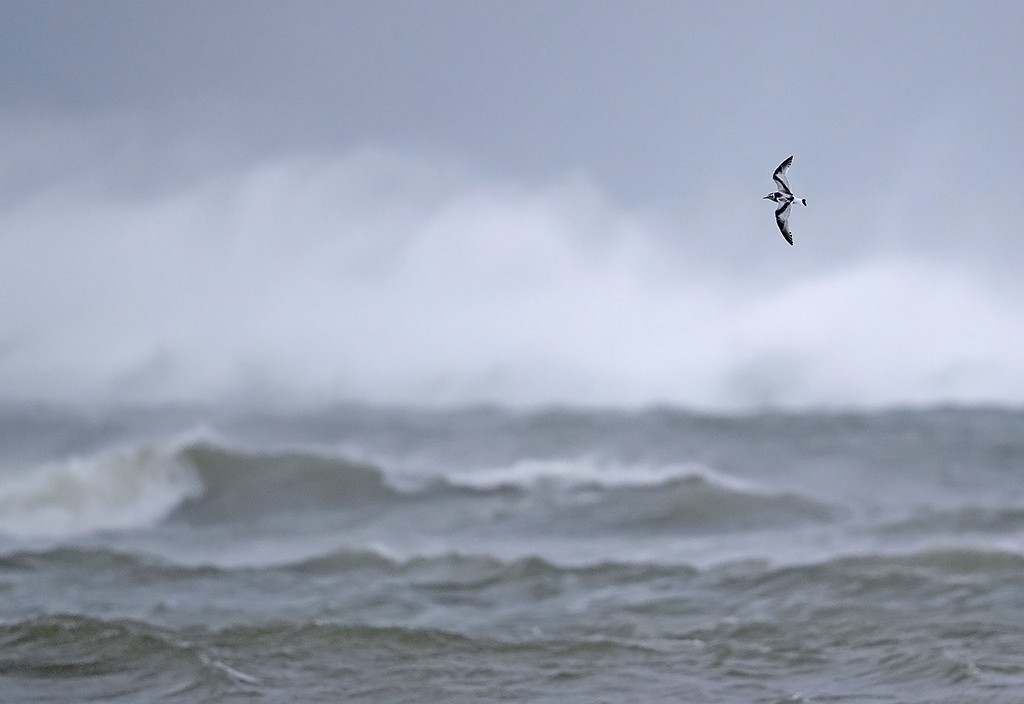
x=780 y=176
x=782 y=219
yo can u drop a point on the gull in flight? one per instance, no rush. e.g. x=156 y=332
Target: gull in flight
x=785 y=198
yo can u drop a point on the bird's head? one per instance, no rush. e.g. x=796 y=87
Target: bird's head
x=770 y=196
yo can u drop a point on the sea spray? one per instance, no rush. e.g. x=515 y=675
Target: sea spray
x=374 y=276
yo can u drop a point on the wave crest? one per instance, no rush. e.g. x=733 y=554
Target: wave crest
x=252 y=482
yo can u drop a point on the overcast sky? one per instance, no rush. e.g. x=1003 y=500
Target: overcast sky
x=177 y=161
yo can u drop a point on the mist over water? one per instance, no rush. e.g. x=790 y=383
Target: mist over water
x=391 y=278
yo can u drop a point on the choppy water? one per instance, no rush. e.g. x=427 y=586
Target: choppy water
x=367 y=554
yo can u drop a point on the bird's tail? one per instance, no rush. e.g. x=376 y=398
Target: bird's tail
x=804 y=201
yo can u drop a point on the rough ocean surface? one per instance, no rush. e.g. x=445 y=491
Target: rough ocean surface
x=562 y=555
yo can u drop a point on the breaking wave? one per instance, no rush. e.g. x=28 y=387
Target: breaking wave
x=203 y=481
x=114 y=490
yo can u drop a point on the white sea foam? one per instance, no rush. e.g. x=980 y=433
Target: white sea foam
x=584 y=472
x=118 y=489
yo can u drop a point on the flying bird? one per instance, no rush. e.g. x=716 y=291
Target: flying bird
x=785 y=198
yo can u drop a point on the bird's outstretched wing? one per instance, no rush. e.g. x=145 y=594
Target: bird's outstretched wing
x=782 y=219
x=780 y=176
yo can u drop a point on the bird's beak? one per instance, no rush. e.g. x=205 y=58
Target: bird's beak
x=765 y=198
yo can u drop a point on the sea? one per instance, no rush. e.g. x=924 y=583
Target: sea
x=370 y=553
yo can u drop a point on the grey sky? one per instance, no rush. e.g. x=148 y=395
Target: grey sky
x=650 y=96
x=905 y=119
